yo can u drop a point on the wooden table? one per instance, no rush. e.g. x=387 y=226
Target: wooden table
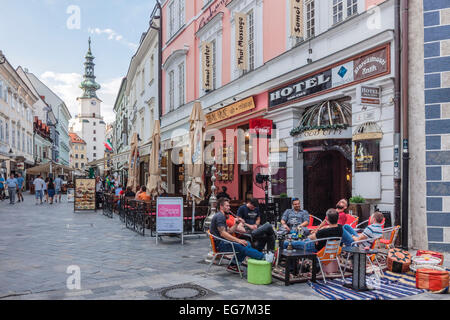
x=359 y=267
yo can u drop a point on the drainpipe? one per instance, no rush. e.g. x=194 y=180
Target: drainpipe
x=397 y=122
x=405 y=123
x=160 y=93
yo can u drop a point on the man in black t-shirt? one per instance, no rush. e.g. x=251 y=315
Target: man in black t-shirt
x=333 y=230
x=262 y=234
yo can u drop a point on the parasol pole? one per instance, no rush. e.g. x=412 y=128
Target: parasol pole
x=193 y=212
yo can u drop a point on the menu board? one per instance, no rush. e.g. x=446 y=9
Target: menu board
x=84 y=195
x=169 y=216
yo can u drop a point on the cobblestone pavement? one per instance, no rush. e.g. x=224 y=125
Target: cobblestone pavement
x=39 y=243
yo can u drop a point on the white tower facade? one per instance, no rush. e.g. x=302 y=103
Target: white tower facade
x=89 y=124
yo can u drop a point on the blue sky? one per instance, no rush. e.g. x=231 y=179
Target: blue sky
x=47 y=37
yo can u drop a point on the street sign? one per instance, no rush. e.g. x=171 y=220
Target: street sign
x=169 y=216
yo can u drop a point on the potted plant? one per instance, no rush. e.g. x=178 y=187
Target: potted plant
x=359 y=208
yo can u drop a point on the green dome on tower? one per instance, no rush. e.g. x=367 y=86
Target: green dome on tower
x=89 y=85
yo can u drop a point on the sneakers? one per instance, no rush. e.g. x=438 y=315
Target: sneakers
x=269 y=257
x=233 y=268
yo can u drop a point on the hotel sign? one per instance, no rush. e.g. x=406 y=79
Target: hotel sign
x=230 y=111
x=368 y=96
x=345 y=73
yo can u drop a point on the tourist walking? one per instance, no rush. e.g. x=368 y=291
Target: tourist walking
x=20 y=181
x=2 y=188
x=13 y=185
x=45 y=190
x=50 y=190
x=58 y=184
x=39 y=188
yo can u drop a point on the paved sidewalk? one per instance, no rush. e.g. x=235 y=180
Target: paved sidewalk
x=39 y=243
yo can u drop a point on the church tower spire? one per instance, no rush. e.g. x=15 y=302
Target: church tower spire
x=89 y=85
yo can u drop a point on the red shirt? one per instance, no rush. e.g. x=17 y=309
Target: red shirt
x=342 y=218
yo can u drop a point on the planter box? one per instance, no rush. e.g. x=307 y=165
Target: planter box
x=361 y=210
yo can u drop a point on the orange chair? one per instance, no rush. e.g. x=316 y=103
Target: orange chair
x=389 y=241
x=311 y=222
x=352 y=221
x=216 y=253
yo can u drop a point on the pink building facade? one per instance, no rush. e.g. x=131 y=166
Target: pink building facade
x=338 y=47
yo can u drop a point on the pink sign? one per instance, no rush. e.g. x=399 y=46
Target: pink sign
x=169 y=210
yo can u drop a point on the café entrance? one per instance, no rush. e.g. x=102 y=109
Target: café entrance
x=327 y=174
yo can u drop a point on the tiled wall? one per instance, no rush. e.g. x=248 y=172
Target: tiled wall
x=437 y=113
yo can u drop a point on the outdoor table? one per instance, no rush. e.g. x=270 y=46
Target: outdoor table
x=296 y=255
x=359 y=267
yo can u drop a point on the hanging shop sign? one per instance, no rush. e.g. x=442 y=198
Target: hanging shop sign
x=369 y=65
x=207 y=65
x=241 y=41
x=261 y=126
x=230 y=111
x=297 y=18
x=368 y=96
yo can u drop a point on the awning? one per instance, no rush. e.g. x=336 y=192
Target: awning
x=368 y=131
x=45 y=168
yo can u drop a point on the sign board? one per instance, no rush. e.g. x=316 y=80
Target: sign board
x=84 y=195
x=261 y=126
x=368 y=65
x=70 y=195
x=368 y=95
x=169 y=216
x=207 y=65
x=230 y=111
x=241 y=41
x=297 y=18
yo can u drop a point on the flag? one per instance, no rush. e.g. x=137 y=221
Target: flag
x=108 y=145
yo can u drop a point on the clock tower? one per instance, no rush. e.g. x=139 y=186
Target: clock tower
x=89 y=123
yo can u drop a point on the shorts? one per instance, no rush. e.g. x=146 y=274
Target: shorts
x=51 y=193
x=58 y=191
x=39 y=194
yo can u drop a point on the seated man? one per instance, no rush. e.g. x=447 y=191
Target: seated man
x=341 y=206
x=243 y=249
x=371 y=233
x=263 y=235
x=334 y=230
x=295 y=218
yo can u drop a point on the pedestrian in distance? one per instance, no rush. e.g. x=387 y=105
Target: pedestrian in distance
x=58 y=183
x=50 y=190
x=39 y=184
x=2 y=188
x=45 y=190
x=13 y=186
x=20 y=181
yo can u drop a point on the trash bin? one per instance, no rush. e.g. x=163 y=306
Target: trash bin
x=259 y=272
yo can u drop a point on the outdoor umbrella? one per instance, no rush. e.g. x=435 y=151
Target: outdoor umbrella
x=154 y=181
x=195 y=164
x=133 y=173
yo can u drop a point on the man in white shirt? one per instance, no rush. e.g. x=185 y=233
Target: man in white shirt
x=39 y=188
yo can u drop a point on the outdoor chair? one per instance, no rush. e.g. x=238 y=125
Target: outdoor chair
x=387 y=240
x=217 y=253
x=311 y=225
x=369 y=222
x=352 y=221
x=328 y=254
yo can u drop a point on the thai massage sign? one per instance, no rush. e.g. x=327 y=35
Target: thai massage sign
x=297 y=18
x=241 y=41
x=207 y=65
x=230 y=111
x=355 y=70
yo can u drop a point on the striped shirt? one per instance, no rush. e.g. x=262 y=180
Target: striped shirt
x=372 y=232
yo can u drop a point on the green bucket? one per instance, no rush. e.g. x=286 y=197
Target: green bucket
x=259 y=272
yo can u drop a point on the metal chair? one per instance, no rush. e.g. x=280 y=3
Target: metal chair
x=370 y=257
x=328 y=254
x=311 y=222
x=388 y=237
x=216 y=253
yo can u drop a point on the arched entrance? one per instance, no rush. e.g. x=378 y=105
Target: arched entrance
x=327 y=175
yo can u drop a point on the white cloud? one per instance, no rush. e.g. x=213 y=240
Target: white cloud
x=112 y=35
x=66 y=86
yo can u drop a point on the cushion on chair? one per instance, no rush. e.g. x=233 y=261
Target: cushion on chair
x=259 y=272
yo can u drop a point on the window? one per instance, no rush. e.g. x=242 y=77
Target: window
x=95 y=139
x=143 y=80
x=180 y=13
x=1 y=129
x=82 y=165
x=338 y=11
x=95 y=123
x=152 y=67
x=13 y=135
x=95 y=148
x=6 y=131
x=95 y=131
x=171 y=90
x=23 y=141
x=82 y=156
x=251 y=40
x=76 y=165
x=76 y=147
x=352 y=7
x=76 y=156
x=171 y=19
x=95 y=155
x=181 y=83
x=310 y=19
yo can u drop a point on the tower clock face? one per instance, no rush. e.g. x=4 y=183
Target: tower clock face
x=93 y=103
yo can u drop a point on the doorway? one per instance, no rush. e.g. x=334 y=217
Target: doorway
x=327 y=179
